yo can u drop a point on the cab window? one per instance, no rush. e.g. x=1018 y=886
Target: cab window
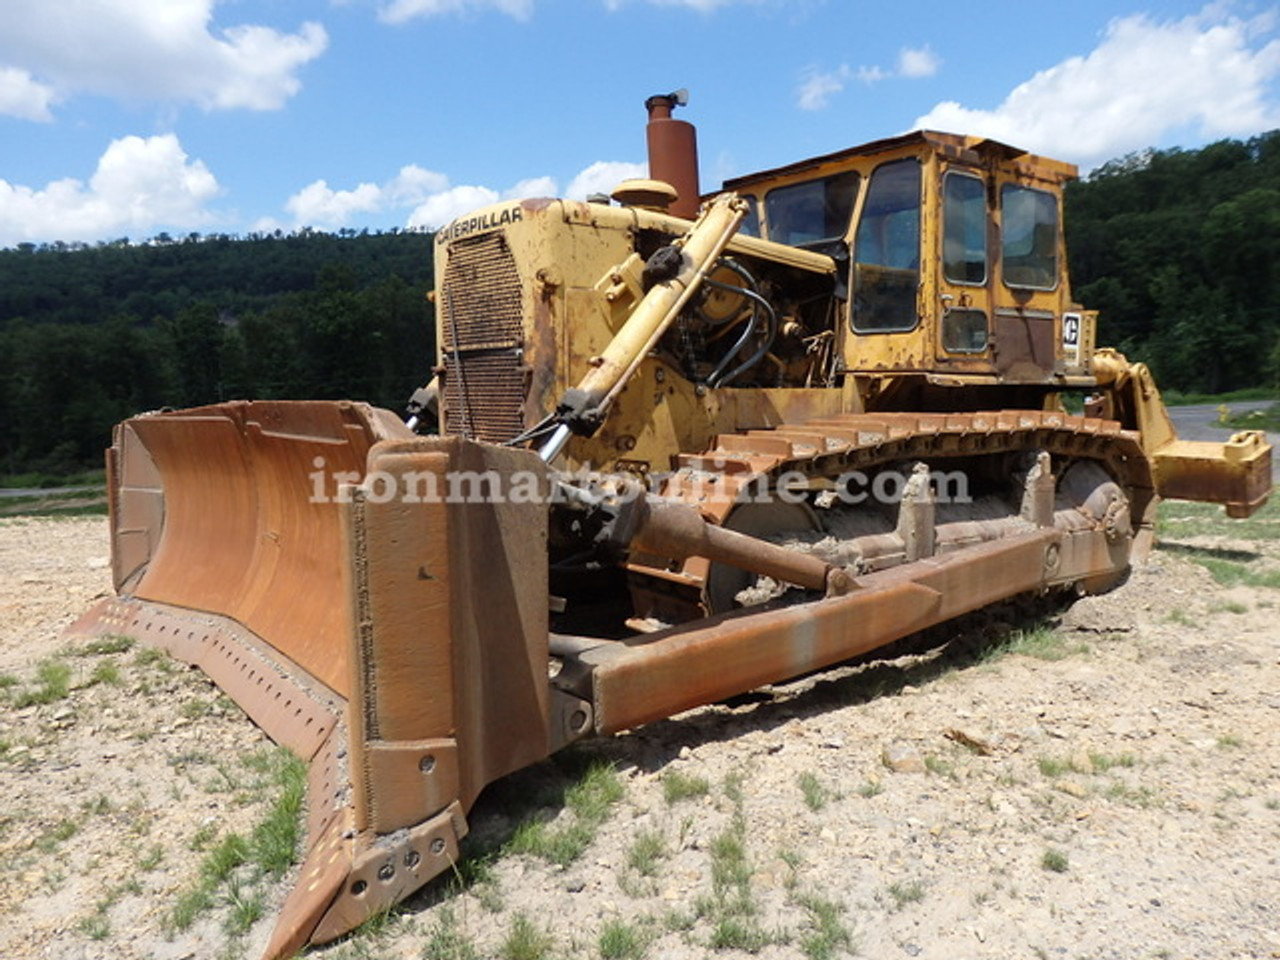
x=886 y=254
x=1029 y=247
x=811 y=212
x=964 y=229
x=751 y=222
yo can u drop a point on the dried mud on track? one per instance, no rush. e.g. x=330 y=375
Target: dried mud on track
x=1109 y=788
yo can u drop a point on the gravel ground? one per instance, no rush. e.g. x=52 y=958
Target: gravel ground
x=1107 y=788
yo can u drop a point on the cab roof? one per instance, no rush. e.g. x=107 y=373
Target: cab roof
x=978 y=151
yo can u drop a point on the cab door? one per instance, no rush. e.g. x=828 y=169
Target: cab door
x=1030 y=300
x=964 y=333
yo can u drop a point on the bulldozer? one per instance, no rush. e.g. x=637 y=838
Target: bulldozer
x=674 y=447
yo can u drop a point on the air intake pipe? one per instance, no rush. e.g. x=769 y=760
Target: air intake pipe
x=673 y=151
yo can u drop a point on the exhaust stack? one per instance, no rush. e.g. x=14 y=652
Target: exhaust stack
x=673 y=151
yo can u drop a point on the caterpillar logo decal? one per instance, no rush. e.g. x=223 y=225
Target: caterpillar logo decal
x=481 y=223
x=1071 y=338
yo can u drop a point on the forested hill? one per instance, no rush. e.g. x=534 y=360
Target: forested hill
x=1180 y=251
x=1177 y=248
x=92 y=335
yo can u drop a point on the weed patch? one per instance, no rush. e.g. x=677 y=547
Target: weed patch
x=646 y=852
x=1055 y=861
x=731 y=908
x=677 y=786
x=589 y=802
x=904 y=892
x=106 y=645
x=235 y=869
x=52 y=683
x=447 y=941
x=525 y=940
x=816 y=793
x=1039 y=642
x=828 y=933
x=620 y=940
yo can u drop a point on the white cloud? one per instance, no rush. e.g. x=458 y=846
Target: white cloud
x=533 y=187
x=438 y=210
x=918 y=62
x=22 y=97
x=817 y=87
x=1209 y=71
x=402 y=11
x=602 y=176
x=257 y=67
x=429 y=198
x=139 y=184
x=707 y=6
x=149 y=50
x=413 y=184
x=268 y=225
x=318 y=205
x=702 y=6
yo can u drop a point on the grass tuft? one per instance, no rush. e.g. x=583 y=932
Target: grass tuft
x=276 y=839
x=829 y=933
x=102 y=646
x=55 y=836
x=816 y=793
x=1041 y=643
x=1055 y=861
x=446 y=940
x=246 y=906
x=677 y=786
x=525 y=940
x=234 y=870
x=589 y=801
x=737 y=933
x=620 y=940
x=53 y=683
x=648 y=848
x=905 y=892
x=870 y=788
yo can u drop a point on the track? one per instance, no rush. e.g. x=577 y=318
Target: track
x=820 y=457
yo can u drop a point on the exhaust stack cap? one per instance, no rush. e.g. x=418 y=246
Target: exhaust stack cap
x=666 y=102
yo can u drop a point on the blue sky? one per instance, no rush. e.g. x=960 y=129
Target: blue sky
x=127 y=118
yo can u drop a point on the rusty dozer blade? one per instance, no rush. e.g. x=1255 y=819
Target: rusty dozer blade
x=237 y=548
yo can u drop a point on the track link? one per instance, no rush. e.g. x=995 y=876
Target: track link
x=817 y=453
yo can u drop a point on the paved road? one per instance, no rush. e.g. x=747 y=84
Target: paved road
x=1198 y=422
x=45 y=491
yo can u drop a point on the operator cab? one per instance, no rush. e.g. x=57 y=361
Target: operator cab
x=952 y=251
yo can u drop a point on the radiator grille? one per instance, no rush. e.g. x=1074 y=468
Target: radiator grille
x=484 y=395
x=482 y=294
x=485 y=382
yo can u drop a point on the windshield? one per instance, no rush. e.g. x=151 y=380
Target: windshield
x=813 y=211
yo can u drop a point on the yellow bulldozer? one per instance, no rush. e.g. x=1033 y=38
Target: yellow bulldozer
x=675 y=447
